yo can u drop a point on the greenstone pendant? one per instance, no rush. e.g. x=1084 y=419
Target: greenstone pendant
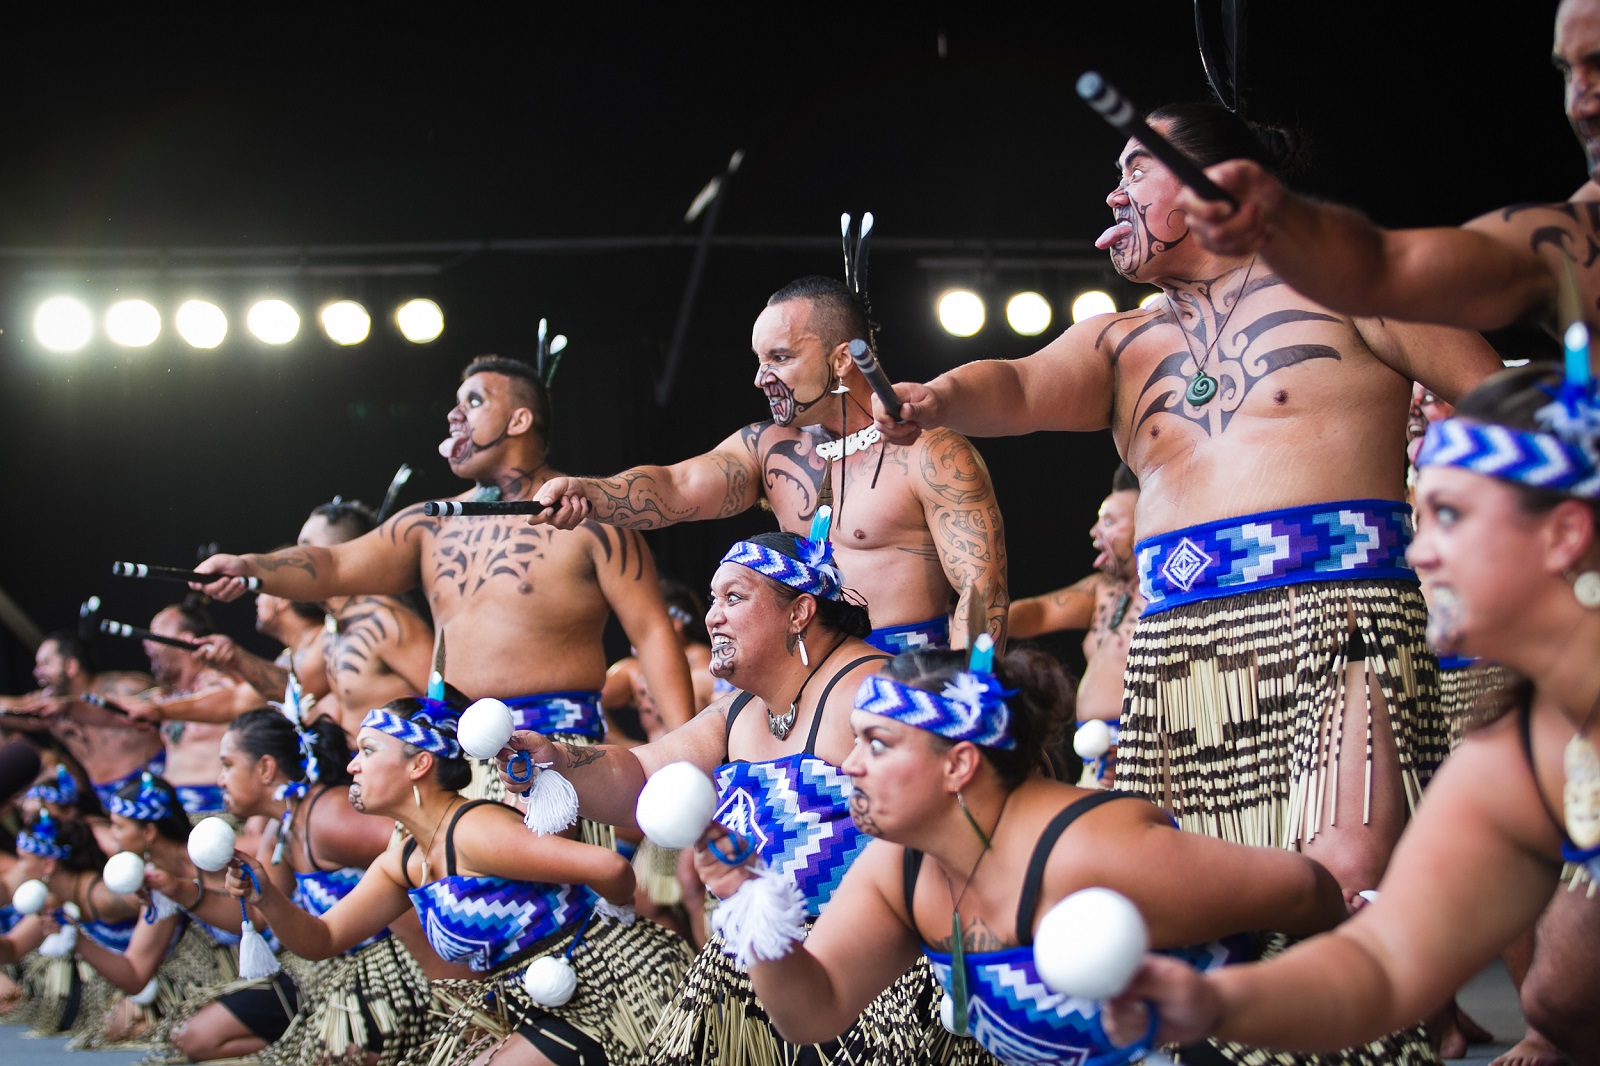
x=958 y=977
x=1201 y=388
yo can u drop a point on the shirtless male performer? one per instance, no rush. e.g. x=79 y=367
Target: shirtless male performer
x=523 y=607
x=194 y=702
x=111 y=748
x=371 y=649
x=1505 y=266
x=916 y=523
x=299 y=628
x=1107 y=604
x=1268 y=436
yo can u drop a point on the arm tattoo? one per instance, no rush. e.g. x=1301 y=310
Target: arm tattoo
x=574 y=756
x=969 y=532
x=1565 y=237
x=288 y=559
x=629 y=550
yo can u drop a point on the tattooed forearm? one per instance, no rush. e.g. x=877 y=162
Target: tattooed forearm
x=575 y=756
x=268 y=679
x=970 y=535
x=288 y=559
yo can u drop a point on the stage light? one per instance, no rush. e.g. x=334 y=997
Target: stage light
x=272 y=321
x=420 y=320
x=346 y=322
x=62 y=324
x=1028 y=313
x=1091 y=303
x=201 y=324
x=961 y=312
x=1151 y=299
x=133 y=323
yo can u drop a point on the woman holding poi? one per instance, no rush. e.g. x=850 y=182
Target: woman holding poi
x=496 y=897
x=62 y=855
x=369 y=1003
x=1509 y=559
x=974 y=847
x=178 y=969
x=784 y=634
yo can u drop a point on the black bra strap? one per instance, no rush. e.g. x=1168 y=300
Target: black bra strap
x=405 y=859
x=305 y=827
x=910 y=866
x=1041 y=855
x=450 y=836
x=1525 y=726
x=822 y=701
x=733 y=712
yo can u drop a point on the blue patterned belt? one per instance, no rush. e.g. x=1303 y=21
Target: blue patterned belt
x=934 y=633
x=1355 y=539
x=559 y=712
x=202 y=799
x=156 y=766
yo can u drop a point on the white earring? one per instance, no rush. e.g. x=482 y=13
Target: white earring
x=1587 y=589
x=805 y=660
x=416 y=796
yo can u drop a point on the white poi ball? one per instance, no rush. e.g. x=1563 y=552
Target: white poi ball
x=30 y=897
x=550 y=981
x=676 y=805
x=947 y=1014
x=1092 y=739
x=485 y=728
x=211 y=844
x=1089 y=945
x=147 y=994
x=124 y=873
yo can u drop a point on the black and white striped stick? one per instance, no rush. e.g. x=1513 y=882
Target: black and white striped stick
x=1119 y=111
x=471 y=509
x=123 y=629
x=176 y=573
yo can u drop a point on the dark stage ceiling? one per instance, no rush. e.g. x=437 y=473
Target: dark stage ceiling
x=288 y=131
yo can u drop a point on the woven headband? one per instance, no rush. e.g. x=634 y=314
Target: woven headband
x=418 y=730
x=971 y=707
x=150 y=805
x=41 y=839
x=813 y=573
x=1539 y=460
x=63 y=791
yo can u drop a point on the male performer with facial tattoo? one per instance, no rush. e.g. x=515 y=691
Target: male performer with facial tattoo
x=1280 y=664
x=918 y=523
x=1106 y=603
x=523 y=607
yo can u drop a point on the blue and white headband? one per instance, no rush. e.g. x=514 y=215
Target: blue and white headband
x=1563 y=455
x=150 y=805
x=419 y=730
x=971 y=707
x=41 y=839
x=63 y=792
x=813 y=573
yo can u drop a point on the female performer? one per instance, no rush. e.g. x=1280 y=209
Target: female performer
x=974 y=846
x=1507 y=551
x=783 y=633
x=372 y=1000
x=495 y=896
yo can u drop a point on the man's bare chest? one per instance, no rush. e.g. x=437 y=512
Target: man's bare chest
x=868 y=491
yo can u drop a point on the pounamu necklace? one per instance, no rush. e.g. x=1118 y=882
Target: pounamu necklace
x=958 y=951
x=1202 y=386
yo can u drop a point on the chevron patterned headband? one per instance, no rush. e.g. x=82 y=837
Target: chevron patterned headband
x=1541 y=460
x=814 y=573
x=417 y=731
x=150 y=805
x=972 y=705
x=41 y=840
x=63 y=792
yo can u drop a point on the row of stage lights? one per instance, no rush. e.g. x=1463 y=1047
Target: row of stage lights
x=962 y=312
x=66 y=324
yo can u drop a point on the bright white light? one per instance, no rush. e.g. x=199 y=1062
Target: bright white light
x=961 y=312
x=1094 y=302
x=133 y=323
x=1028 y=313
x=272 y=321
x=420 y=321
x=346 y=322
x=201 y=324
x=63 y=324
x=1152 y=299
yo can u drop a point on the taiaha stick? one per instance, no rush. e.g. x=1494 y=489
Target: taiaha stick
x=123 y=629
x=176 y=573
x=1119 y=111
x=94 y=699
x=475 y=509
x=867 y=363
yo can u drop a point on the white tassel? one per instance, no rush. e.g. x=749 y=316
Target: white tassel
x=256 y=960
x=147 y=994
x=60 y=943
x=552 y=802
x=623 y=914
x=163 y=906
x=763 y=920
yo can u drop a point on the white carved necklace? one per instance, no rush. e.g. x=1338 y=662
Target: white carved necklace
x=860 y=440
